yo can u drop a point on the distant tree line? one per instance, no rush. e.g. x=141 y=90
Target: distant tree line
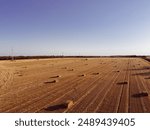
x=61 y=56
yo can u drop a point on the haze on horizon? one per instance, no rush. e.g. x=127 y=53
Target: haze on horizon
x=75 y=27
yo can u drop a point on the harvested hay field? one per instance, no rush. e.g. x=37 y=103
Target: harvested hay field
x=55 y=85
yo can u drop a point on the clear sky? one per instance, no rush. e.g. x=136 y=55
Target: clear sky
x=75 y=27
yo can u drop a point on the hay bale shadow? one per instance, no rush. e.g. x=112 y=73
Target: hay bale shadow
x=57 y=76
x=82 y=75
x=142 y=74
x=147 y=78
x=122 y=83
x=71 y=70
x=95 y=73
x=138 y=95
x=117 y=71
x=141 y=68
x=86 y=59
x=64 y=67
x=56 y=107
x=68 y=104
x=48 y=82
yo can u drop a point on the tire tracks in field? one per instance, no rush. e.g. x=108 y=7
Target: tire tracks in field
x=135 y=103
x=25 y=86
x=124 y=98
x=110 y=100
x=84 y=101
x=69 y=90
x=23 y=104
x=85 y=90
x=6 y=77
x=143 y=87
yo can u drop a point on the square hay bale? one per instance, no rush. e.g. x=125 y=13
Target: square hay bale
x=141 y=94
x=71 y=70
x=82 y=75
x=52 y=81
x=56 y=76
x=144 y=94
x=86 y=59
x=65 y=68
x=96 y=73
x=69 y=104
x=147 y=78
x=65 y=105
x=122 y=83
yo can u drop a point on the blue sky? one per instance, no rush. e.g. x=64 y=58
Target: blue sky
x=75 y=27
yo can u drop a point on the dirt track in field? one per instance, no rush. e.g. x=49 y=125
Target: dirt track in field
x=94 y=85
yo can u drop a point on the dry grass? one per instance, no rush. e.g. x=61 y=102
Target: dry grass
x=41 y=90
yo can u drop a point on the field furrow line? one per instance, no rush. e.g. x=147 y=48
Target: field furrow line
x=85 y=98
x=111 y=97
x=67 y=91
x=53 y=92
x=124 y=99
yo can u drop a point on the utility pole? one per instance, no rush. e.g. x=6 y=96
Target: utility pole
x=12 y=54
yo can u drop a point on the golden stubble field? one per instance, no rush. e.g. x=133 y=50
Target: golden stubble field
x=75 y=85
